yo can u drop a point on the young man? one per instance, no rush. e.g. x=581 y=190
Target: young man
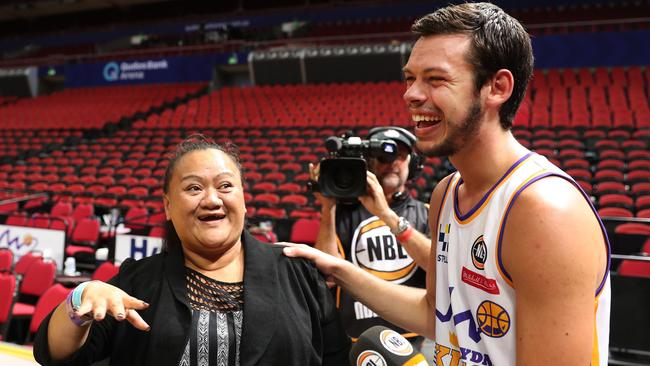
x=519 y=273
x=386 y=233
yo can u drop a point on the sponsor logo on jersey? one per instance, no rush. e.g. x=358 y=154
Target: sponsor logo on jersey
x=371 y=358
x=395 y=343
x=473 y=332
x=479 y=253
x=493 y=320
x=479 y=281
x=451 y=356
x=376 y=250
x=443 y=242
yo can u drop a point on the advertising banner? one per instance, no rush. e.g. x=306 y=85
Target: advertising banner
x=136 y=247
x=22 y=240
x=145 y=71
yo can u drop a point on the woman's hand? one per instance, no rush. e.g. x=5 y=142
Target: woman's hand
x=99 y=299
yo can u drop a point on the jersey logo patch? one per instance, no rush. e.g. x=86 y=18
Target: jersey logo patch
x=376 y=250
x=479 y=253
x=443 y=242
x=479 y=281
x=493 y=319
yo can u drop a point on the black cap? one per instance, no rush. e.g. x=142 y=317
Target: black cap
x=394 y=134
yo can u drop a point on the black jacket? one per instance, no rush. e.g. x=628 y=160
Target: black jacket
x=289 y=314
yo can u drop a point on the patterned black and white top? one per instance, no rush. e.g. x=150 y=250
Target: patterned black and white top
x=217 y=312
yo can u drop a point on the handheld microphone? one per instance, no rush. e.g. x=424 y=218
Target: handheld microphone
x=381 y=346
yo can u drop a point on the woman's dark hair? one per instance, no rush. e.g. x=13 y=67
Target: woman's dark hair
x=196 y=142
x=192 y=143
x=499 y=41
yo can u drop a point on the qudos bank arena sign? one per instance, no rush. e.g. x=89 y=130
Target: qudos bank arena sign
x=172 y=69
x=135 y=70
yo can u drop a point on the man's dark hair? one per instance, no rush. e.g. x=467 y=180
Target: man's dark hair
x=196 y=142
x=498 y=41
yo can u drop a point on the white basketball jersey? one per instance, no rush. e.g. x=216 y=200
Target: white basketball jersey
x=475 y=300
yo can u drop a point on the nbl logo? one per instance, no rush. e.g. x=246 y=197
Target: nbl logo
x=493 y=319
x=395 y=343
x=375 y=249
x=371 y=358
x=479 y=253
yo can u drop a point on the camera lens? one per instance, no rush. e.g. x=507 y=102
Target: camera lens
x=342 y=179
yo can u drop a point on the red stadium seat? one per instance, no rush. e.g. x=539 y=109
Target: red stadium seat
x=105 y=272
x=633 y=268
x=305 y=231
x=46 y=303
x=294 y=201
x=25 y=261
x=274 y=213
x=84 y=237
x=615 y=212
x=7 y=290
x=83 y=211
x=6 y=260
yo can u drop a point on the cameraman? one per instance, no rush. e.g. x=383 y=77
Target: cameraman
x=385 y=234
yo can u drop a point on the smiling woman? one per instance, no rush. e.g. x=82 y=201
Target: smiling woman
x=214 y=296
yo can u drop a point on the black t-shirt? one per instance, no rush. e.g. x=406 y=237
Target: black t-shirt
x=367 y=242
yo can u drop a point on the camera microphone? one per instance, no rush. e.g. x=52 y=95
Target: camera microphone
x=333 y=144
x=381 y=346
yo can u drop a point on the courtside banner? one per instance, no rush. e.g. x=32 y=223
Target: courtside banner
x=22 y=240
x=135 y=246
x=146 y=70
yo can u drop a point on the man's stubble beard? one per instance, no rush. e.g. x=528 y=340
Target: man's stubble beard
x=458 y=135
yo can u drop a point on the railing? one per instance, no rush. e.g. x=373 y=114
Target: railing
x=245 y=46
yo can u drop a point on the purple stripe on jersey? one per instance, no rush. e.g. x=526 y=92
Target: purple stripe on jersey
x=602 y=228
x=584 y=195
x=444 y=198
x=480 y=203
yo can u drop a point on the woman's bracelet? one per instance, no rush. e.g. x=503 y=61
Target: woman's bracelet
x=73 y=303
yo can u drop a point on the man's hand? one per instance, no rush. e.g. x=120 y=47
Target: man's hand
x=374 y=200
x=326 y=202
x=326 y=264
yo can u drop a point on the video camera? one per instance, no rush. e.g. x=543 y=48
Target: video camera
x=343 y=171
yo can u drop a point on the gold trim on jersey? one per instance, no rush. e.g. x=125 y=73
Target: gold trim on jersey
x=442 y=203
x=503 y=216
x=595 y=355
x=478 y=211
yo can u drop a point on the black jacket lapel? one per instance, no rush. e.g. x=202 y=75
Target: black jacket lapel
x=260 y=299
x=173 y=300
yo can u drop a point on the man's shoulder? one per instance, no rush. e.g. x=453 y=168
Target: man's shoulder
x=553 y=193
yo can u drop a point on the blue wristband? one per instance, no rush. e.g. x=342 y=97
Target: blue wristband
x=76 y=295
x=73 y=303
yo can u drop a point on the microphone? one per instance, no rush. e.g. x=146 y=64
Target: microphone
x=381 y=346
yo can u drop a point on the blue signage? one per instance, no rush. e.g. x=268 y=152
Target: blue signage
x=111 y=71
x=147 y=71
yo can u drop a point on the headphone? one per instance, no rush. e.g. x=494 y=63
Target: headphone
x=416 y=162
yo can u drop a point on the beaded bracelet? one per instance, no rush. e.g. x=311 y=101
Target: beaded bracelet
x=73 y=303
